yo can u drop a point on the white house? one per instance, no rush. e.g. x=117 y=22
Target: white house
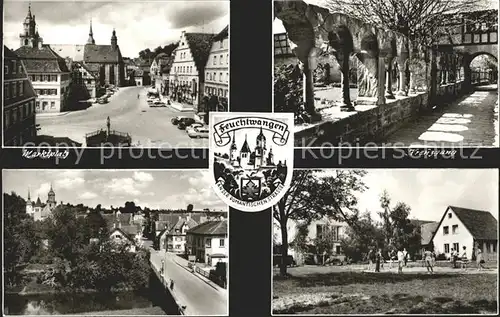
x=209 y=242
x=119 y=236
x=315 y=229
x=217 y=68
x=187 y=74
x=469 y=228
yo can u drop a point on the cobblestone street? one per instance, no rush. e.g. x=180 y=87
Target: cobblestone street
x=469 y=121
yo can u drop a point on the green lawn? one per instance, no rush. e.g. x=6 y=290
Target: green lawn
x=348 y=292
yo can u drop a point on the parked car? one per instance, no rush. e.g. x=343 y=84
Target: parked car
x=198 y=132
x=194 y=125
x=185 y=122
x=175 y=120
x=157 y=103
x=278 y=259
x=103 y=100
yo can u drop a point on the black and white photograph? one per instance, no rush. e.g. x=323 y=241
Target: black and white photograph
x=251 y=158
x=114 y=73
x=113 y=242
x=390 y=74
x=387 y=241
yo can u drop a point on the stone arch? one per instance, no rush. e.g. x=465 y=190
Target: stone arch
x=369 y=45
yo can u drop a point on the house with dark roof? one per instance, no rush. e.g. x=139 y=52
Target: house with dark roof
x=208 y=242
x=466 y=230
x=18 y=102
x=159 y=72
x=187 y=74
x=47 y=70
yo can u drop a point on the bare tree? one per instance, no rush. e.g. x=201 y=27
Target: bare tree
x=421 y=21
x=312 y=195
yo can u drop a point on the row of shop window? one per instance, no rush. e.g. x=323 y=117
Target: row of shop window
x=18 y=113
x=45 y=105
x=13 y=89
x=219 y=92
x=48 y=92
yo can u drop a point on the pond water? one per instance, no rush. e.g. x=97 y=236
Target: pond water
x=55 y=304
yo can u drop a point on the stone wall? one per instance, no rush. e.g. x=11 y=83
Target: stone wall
x=371 y=123
x=360 y=127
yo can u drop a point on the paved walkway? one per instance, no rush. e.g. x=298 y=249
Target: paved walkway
x=469 y=121
x=199 y=296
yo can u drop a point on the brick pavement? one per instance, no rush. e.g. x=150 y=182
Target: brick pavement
x=467 y=122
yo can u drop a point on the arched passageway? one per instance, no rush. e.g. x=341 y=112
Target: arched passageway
x=484 y=69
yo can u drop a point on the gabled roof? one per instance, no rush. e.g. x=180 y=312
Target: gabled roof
x=245 y=148
x=481 y=224
x=125 y=234
x=427 y=231
x=208 y=228
x=222 y=34
x=101 y=54
x=38 y=203
x=42 y=59
x=189 y=222
x=199 y=45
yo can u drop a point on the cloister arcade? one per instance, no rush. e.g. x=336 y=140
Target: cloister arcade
x=385 y=57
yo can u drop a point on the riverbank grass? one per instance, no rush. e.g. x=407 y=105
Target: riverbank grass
x=348 y=292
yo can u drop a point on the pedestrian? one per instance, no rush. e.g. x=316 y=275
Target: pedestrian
x=479 y=259
x=401 y=261
x=392 y=258
x=405 y=255
x=138 y=96
x=464 y=259
x=378 y=258
x=455 y=258
x=428 y=261
x=370 y=259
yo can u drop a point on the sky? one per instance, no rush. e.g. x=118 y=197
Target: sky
x=139 y=24
x=163 y=189
x=429 y=191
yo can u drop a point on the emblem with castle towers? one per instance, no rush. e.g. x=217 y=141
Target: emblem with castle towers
x=248 y=159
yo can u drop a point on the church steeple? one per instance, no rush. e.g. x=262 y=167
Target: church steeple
x=114 y=40
x=29 y=36
x=91 y=35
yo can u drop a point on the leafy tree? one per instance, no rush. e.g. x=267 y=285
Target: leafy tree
x=189 y=208
x=314 y=194
x=20 y=240
x=359 y=239
x=288 y=88
x=419 y=20
x=130 y=208
x=385 y=201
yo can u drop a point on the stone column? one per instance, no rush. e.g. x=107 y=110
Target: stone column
x=388 y=81
x=402 y=76
x=381 y=81
x=343 y=60
x=308 y=62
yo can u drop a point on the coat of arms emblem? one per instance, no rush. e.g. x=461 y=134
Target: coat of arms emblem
x=251 y=158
